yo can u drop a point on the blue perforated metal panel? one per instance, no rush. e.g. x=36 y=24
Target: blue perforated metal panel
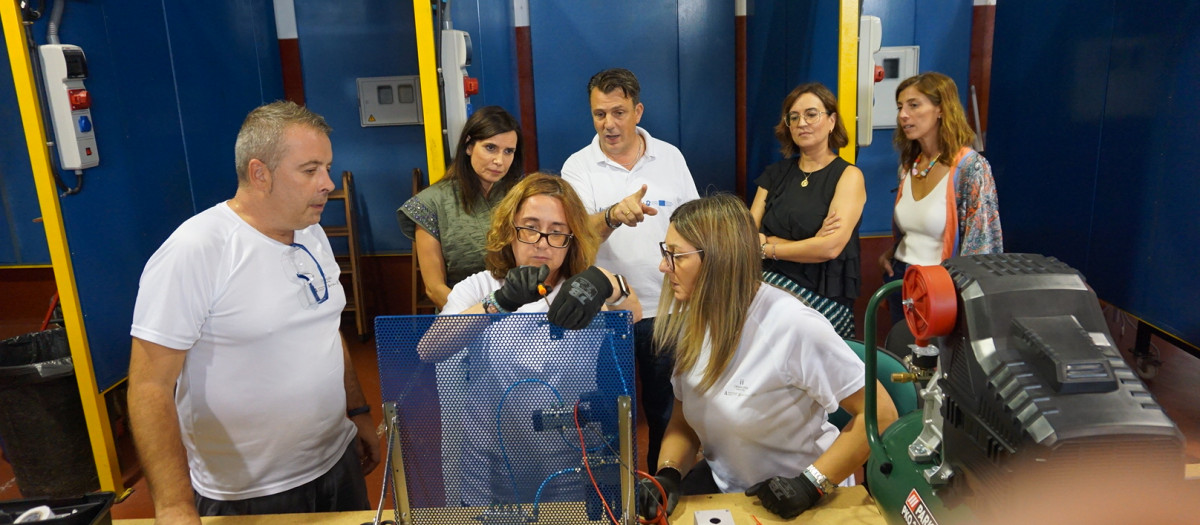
x=496 y=413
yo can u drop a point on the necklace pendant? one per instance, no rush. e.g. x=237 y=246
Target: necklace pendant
x=804 y=183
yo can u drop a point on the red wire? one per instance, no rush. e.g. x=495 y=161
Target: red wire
x=661 y=518
x=586 y=465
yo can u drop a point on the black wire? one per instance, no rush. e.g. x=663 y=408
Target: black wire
x=29 y=13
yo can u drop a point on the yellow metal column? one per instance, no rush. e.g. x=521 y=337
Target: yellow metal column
x=431 y=100
x=94 y=409
x=847 y=92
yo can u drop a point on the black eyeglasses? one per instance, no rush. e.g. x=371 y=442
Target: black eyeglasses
x=670 y=256
x=809 y=117
x=304 y=272
x=529 y=235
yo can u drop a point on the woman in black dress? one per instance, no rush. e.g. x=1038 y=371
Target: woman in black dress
x=808 y=207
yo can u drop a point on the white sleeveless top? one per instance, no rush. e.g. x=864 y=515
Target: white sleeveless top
x=923 y=222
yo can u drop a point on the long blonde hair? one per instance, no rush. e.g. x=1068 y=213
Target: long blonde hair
x=953 y=130
x=730 y=274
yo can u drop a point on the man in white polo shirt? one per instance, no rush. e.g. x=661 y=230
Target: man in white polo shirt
x=242 y=397
x=631 y=182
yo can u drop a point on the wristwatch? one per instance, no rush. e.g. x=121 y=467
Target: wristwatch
x=623 y=287
x=819 y=480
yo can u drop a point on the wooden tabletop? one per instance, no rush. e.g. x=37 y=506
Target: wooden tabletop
x=847 y=506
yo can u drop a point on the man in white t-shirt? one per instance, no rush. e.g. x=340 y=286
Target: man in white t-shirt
x=242 y=397
x=627 y=178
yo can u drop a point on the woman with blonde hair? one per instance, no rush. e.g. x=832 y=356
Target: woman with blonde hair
x=946 y=202
x=756 y=374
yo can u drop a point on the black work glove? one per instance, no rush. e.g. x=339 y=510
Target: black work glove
x=580 y=298
x=649 y=499
x=786 y=497
x=521 y=287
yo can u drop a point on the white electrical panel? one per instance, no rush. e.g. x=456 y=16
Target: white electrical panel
x=714 y=517
x=456 y=56
x=63 y=68
x=870 y=35
x=898 y=64
x=389 y=101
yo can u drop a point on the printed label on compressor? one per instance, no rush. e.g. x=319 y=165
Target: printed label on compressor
x=915 y=512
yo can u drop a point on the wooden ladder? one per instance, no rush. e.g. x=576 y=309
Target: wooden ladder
x=348 y=262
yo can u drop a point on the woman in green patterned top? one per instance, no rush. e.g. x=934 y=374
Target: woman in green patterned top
x=448 y=221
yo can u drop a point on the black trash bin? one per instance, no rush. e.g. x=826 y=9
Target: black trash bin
x=41 y=418
x=92 y=509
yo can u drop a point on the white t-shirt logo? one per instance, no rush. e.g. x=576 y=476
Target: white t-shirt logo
x=737 y=390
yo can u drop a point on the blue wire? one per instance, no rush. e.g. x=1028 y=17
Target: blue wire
x=612 y=347
x=500 y=434
x=499 y=407
x=538 y=496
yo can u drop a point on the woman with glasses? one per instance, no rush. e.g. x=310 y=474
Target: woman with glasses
x=447 y=221
x=946 y=204
x=756 y=374
x=540 y=254
x=539 y=236
x=808 y=207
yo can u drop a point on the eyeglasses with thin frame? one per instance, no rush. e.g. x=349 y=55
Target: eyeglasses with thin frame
x=307 y=276
x=529 y=235
x=809 y=117
x=670 y=256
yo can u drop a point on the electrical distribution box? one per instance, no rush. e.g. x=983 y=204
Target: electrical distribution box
x=63 y=68
x=389 y=101
x=898 y=64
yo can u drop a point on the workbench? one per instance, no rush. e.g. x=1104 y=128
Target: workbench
x=848 y=505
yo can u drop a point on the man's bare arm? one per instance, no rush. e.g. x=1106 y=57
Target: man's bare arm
x=153 y=372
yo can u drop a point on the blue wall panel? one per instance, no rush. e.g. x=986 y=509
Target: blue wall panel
x=494 y=63
x=1093 y=138
x=141 y=191
x=574 y=40
x=340 y=42
x=706 y=93
x=1146 y=231
x=22 y=241
x=217 y=90
x=1047 y=112
x=795 y=42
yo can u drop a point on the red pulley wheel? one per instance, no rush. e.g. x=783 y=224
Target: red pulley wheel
x=930 y=302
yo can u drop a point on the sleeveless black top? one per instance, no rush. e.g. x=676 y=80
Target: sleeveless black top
x=795 y=212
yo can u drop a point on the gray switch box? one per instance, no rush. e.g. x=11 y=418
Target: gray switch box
x=389 y=101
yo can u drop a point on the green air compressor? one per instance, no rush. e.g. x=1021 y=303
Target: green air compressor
x=1030 y=414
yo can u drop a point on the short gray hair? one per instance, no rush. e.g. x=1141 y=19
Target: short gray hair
x=261 y=136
